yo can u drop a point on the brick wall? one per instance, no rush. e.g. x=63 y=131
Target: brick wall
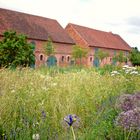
x=76 y=36
x=89 y=60
x=62 y=53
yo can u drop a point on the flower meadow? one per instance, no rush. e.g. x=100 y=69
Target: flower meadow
x=70 y=104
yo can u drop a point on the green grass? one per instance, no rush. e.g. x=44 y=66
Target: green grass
x=88 y=93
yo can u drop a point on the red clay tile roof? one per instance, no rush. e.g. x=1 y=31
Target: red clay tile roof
x=34 y=27
x=100 y=38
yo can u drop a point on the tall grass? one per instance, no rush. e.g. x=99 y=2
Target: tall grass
x=36 y=101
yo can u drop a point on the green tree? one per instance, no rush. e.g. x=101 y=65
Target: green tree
x=15 y=50
x=135 y=56
x=101 y=55
x=120 y=57
x=49 y=48
x=78 y=52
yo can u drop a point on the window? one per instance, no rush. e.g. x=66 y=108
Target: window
x=41 y=57
x=126 y=53
x=90 y=59
x=62 y=59
x=72 y=62
x=68 y=58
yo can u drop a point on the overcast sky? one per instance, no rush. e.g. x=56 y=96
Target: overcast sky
x=119 y=16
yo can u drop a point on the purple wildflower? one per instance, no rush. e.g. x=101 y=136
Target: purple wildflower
x=129 y=119
x=43 y=115
x=136 y=99
x=71 y=120
x=125 y=102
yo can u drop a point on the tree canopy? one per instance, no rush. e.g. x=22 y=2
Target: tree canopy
x=15 y=50
x=100 y=54
x=78 y=52
x=135 y=56
x=48 y=47
x=120 y=57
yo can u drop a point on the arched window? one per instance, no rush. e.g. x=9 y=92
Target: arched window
x=62 y=59
x=41 y=57
x=68 y=58
x=90 y=59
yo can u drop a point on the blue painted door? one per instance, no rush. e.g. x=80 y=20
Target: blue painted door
x=33 y=45
x=51 y=61
x=114 y=62
x=96 y=62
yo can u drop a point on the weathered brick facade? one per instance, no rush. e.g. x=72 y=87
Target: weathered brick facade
x=91 y=39
x=62 y=53
x=39 y=29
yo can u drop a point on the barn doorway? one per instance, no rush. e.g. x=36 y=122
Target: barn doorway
x=96 y=62
x=51 y=61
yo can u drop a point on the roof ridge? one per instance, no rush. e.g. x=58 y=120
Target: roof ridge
x=28 y=14
x=100 y=38
x=90 y=28
x=33 y=26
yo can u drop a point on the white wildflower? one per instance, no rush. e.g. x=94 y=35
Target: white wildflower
x=44 y=88
x=114 y=73
x=36 y=137
x=32 y=83
x=48 y=78
x=42 y=76
x=127 y=71
x=54 y=84
x=125 y=66
x=132 y=68
x=35 y=124
x=134 y=72
x=12 y=91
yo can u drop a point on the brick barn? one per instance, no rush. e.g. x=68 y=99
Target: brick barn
x=94 y=40
x=38 y=30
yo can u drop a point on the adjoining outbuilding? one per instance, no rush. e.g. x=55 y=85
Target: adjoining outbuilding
x=93 y=40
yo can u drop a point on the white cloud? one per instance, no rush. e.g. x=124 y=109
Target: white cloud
x=108 y=15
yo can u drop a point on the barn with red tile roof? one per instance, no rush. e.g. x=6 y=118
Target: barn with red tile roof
x=95 y=39
x=38 y=30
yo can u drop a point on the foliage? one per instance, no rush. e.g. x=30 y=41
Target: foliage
x=49 y=48
x=135 y=56
x=120 y=57
x=78 y=52
x=15 y=50
x=101 y=54
x=37 y=106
